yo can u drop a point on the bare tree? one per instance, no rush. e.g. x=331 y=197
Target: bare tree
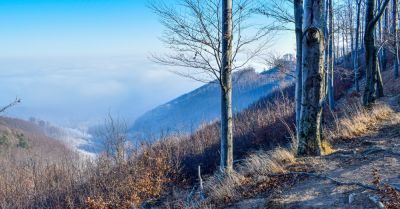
x=226 y=164
x=309 y=137
x=371 y=56
x=207 y=46
x=298 y=14
x=356 y=56
x=385 y=35
x=114 y=137
x=278 y=10
x=330 y=69
x=285 y=64
x=395 y=44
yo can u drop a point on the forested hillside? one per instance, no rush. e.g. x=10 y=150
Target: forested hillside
x=178 y=115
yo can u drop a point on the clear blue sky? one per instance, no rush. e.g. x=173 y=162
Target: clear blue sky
x=76 y=27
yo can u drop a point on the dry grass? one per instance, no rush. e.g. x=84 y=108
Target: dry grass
x=327 y=148
x=262 y=164
x=252 y=177
x=223 y=188
x=358 y=121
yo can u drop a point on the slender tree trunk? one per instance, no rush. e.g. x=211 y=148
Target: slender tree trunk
x=395 y=41
x=379 y=81
x=313 y=79
x=351 y=30
x=298 y=15
x=330 y=70
x=372 y=73
x=384 y=37
x=380 y=38
x=343 y=42
x=226 y=163
x=356 y=57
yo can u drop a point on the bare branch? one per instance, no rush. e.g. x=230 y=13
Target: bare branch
x=15 y=102
x=193 y=31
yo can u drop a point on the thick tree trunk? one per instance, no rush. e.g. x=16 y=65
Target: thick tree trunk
x=226 y=163
x=313 y=79
x=356 y=57
x=395 y=41
x=330 y=70
x=298 y=15
x=372 y=73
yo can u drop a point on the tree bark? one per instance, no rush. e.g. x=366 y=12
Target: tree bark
x=384 y=37
x=226 y=164
x=395 y=41
x=372 y=73
x=356 y=58
x=298 y=15
x=331 y=74
x=313 y=79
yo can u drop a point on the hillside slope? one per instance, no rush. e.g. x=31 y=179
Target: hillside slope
x=360 y=169
x=21 y=134
x=187 y=112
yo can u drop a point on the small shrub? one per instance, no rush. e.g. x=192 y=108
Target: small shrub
x=22 y=142
x=4 y=140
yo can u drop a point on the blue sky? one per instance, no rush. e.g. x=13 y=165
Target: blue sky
x=76 y=27
x=73 y=61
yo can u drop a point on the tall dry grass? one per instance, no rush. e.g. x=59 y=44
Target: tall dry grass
x=357 y=120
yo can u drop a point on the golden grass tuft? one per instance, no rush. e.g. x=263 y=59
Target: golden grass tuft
x=327 y=148
x=358 y=121
x=262 y=164
x=224 y=188
x=255 y=169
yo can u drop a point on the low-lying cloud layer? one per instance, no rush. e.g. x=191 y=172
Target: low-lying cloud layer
x=82 y=91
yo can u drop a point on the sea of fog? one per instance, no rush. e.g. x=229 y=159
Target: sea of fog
x=78 y=93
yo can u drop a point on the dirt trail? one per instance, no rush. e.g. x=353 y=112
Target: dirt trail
x=354 y=161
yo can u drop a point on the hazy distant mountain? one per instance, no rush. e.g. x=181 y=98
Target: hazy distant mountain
x=187 y=112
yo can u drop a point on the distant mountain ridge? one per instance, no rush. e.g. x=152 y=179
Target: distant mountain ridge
x=202 y=105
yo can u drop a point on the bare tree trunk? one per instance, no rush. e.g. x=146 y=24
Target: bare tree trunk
x=226 y=163
x=356 y=57
x=313 y=79
x=395 y=41
x=351 y=30
x=384 y=37
x=372 y=73
x=379 y=81
x=298 y=15
x=330 y=70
